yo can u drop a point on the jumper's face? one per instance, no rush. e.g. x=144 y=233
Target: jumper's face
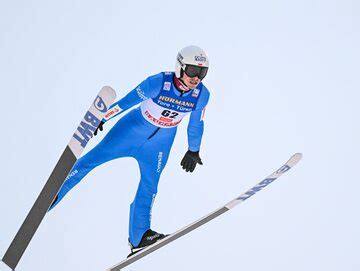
x=190 y=82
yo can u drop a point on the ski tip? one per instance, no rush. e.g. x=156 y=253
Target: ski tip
x=294 y=159
x=109 y=91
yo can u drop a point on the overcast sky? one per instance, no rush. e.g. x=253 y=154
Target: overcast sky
x=284 y=78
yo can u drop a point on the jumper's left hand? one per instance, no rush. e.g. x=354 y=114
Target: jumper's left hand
x=100 y=127
x=190 y=160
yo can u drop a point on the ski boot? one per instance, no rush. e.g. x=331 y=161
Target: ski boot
x=150 y=237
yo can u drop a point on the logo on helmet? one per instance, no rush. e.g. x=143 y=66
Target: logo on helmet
x=200 y=58
x=180 y=59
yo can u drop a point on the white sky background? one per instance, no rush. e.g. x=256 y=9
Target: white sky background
x=284 y=78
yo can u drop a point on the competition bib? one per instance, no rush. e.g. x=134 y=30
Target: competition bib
x=168 y=109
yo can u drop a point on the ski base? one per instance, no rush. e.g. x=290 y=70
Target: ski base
x=172 y=237
x=67 y=160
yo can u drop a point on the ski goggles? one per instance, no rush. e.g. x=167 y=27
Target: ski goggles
x=193 y=71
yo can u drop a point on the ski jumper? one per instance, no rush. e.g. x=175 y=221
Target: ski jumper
x=146 y=133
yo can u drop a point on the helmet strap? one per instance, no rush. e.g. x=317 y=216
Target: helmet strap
x=181 y=76
x=182 y=82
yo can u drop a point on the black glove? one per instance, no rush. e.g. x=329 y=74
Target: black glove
x=190 y=160
x=100 y=127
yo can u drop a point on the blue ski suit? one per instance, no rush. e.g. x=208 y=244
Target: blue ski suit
x=146 y=133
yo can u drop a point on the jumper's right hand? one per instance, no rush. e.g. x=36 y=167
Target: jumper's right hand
x=190 y=160
x=100 y=127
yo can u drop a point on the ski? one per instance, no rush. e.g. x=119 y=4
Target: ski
x=67 y=160
x=172 y=237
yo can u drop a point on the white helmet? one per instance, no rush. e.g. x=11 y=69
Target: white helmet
x=196 y=58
